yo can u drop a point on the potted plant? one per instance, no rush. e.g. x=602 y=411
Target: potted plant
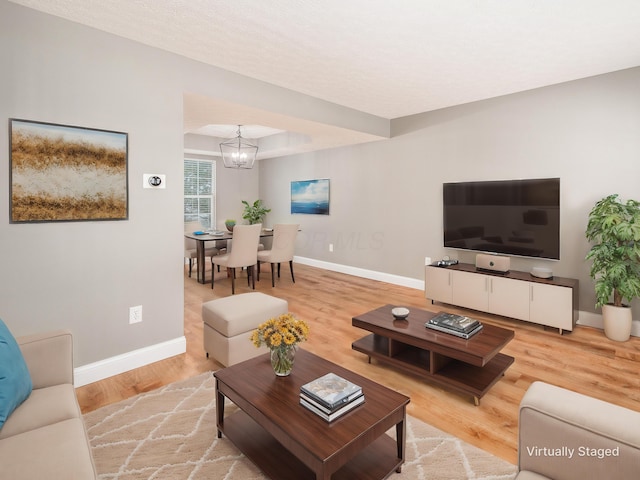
x=254 y=213
x=230 y=223
x=614 y=226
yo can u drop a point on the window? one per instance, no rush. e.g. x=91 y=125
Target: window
x=200 y=192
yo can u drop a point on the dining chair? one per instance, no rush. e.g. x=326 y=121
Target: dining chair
x=282 y=249
x=190 y=247
x=243 y=253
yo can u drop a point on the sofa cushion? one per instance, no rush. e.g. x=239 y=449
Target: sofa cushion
x=58 y=451
x=585 y=437
x=45 y=406
x=15 y=381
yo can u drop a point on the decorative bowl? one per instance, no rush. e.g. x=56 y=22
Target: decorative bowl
x=400 y=313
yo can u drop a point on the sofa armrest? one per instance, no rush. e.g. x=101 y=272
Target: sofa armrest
x=565 y=435
x=49 y=357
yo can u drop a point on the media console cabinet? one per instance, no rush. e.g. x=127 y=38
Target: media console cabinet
x=551 y=302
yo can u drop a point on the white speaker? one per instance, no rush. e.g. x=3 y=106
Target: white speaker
x=542 y=272
x=496 y=263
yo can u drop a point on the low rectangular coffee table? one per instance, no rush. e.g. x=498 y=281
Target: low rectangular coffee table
x=289 y=442
x=467 y=366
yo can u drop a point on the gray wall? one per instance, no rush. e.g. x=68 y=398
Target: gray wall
x=85 y=275
x=386 y=196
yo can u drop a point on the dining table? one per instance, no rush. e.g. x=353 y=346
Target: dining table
x=218 y=235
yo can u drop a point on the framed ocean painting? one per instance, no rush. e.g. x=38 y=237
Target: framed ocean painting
x=62 y=173
x=310 y=196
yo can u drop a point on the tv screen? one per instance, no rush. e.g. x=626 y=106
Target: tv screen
x=510 y=217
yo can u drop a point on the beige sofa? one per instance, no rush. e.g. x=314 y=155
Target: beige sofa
x=568 y=436
x=45 y=437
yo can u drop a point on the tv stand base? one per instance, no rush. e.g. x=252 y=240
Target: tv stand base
x=552 y=302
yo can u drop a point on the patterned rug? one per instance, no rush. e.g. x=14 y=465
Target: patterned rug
x=170 y=433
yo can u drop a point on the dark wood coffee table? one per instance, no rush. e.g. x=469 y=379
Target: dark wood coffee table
x=466 y=366
x=288 y=442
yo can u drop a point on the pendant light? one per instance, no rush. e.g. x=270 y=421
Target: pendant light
x=238 y=152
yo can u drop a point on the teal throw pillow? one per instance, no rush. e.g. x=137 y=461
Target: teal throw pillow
x=15 y=381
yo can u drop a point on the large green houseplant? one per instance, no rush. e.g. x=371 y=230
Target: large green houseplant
x=614 y=227
x=255 y=212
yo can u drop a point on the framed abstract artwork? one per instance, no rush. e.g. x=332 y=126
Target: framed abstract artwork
x=310 y=196
x=62 y=173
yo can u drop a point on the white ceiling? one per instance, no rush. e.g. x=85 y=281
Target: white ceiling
x=386 y=58
x=231 y=131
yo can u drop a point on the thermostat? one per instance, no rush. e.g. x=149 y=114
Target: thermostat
x=153 y=180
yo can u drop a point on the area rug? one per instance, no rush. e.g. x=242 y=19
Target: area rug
x=170 y=433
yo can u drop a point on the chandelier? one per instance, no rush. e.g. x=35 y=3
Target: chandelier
x=238 y=152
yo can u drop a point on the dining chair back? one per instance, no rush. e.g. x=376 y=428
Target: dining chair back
x=243 y=252
x=282 y=249
x=190 y=246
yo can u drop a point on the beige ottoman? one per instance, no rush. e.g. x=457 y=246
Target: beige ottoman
x=229 y=321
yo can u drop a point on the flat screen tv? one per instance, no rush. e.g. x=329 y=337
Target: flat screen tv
x=510 y=217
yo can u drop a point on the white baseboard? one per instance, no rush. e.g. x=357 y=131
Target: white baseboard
x=363 y=273
x=585 y=318
x=108 y=367
x=94 y=372
x=590 y=319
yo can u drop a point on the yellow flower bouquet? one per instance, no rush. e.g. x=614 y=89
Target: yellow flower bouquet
x=281 y=335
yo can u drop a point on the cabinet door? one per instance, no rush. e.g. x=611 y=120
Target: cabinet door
x=509 y=298
x=551 y=305
x=437 y=284
x=470 y=290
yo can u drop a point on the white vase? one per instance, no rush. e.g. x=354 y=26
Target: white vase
x=617 y=322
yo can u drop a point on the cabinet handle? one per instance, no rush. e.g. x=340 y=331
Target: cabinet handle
x=531 y=293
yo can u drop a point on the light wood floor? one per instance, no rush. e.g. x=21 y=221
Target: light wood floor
x=584 y=360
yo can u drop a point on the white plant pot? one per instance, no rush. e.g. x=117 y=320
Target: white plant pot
x=617 y=322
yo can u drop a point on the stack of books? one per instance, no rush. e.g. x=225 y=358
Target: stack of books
x=457 y=325
x=330 y=396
